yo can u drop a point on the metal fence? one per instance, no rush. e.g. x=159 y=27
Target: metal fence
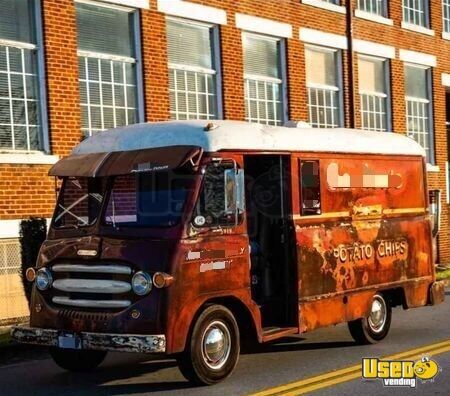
x=13 y=304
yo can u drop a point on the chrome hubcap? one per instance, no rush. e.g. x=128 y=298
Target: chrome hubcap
x=216 y=345
x=377 y=317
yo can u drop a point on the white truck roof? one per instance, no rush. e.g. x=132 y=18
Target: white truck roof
x=242 y=136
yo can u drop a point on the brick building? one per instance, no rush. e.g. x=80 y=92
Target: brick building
x=71 y=68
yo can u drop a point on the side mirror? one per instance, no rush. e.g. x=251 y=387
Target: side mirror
x=234 y=192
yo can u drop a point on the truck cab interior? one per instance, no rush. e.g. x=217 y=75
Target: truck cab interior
x=272 y=239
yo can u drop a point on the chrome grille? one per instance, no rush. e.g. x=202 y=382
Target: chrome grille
x=104 y=286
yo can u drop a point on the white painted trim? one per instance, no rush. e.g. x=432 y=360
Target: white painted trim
x=100 y=55
x=375 y=49
x=446 y=35
x=10 y=228
x=263 y=25
x=262 y=78
x=198 y=12
x=417 y=29
x=373 y=17
x=196 y=69
x=322 y=38
x=447 y=185
x=129 y=3
x=445 y=79
x=33 y=158
x=433 y=168
x=418 y=58
x=325 y=5
x=17 y=44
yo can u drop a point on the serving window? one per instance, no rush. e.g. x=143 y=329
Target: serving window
x=310 y=202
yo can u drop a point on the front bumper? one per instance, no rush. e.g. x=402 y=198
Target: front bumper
x=94 y=341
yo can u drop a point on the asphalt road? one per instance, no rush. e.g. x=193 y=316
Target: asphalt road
x=30 y=371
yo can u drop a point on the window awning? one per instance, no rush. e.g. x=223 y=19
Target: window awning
x=125 y=162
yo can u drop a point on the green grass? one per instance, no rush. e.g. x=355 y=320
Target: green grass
x=5 y=337
x=443 y=275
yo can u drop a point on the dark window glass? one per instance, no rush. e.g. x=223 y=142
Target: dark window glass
x=148 y=199
x=102 y=29
x=217 y=201
x=80 y=202
x=310 y=188
x=16 y=20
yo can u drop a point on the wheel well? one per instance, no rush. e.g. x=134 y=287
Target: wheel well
x=243 y=316
x=395 y=297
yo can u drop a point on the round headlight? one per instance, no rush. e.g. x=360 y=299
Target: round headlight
x=141 y=283
x=44 y=279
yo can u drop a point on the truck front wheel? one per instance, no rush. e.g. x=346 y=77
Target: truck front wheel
x=212 y=351
x=77 y=360
x=375 y=327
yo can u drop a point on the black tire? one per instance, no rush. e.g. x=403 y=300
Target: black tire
x=194 y=362
x=365 y=331
x=77 y=360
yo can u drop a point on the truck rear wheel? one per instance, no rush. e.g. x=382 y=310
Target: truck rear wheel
x=77 y=360
x=375 y=327
x=212 y=351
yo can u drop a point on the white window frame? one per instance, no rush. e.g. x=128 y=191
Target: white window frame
x=386 y=95
x=339 y=81
x=384 y=7
x=216 y=61
x=42 y=92
x=429 y=103
x=426 y=14
x=333 y=5
x=282 y=81
x=137 y=61
x=446 y=21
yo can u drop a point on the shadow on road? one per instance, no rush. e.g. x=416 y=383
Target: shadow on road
x=112 y=377
x=103 y=379
x=131 y=374
x=16 y=354
x=291 y=344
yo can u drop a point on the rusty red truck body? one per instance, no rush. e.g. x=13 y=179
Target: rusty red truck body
x=185 y=238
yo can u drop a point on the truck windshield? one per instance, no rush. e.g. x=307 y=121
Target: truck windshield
x=80 y=202
x=148 y=199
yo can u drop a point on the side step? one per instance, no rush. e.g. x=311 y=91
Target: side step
x=272 y=333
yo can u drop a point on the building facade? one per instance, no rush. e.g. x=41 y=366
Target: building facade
x=70 y=68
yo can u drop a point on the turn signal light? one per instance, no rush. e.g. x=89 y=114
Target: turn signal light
x=30 y=274
x=161 y=279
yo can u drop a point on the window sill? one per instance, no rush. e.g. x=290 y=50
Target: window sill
x=373 y=17
x=325 y=6
x=32 y=158
x=446 y=35
x=433 y=168
x=417 y=29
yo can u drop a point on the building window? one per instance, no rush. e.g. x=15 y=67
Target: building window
x=418 y=106
x=446 y=15
x=194 y=77
x=20 y=93
x=108 y=56
x=263 y=79
x=373 y=92
x=323 y=85
x=416 y=12
x=377 y=7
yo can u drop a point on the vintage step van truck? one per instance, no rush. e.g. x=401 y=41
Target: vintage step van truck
x=159 y=244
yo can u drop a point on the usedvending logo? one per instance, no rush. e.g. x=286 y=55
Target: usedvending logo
x=400 y=373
